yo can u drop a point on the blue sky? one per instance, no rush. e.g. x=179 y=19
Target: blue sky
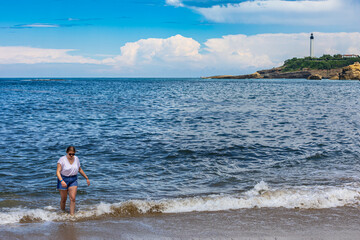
x=168 y=38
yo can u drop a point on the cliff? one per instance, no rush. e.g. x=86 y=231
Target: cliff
x=351 y=72
x=280 y=73
x=247 y=76
x=325 y=67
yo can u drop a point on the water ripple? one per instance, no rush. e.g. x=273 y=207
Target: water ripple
x=159 y=138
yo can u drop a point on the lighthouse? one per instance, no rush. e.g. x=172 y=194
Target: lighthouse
x=312 y=45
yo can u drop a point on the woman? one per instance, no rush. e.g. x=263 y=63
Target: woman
x=67 y=169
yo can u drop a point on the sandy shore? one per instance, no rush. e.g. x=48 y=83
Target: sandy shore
x=340 y=223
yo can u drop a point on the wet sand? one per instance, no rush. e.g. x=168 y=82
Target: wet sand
x=338 y=223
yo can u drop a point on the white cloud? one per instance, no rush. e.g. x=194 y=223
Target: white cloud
x=156 y=51
x=39 y=25
x=239 y=52
x=303 y=12
x=176 y=3
x=182 y=56
x=29 y=55
x=334 y=43
x=231 y=54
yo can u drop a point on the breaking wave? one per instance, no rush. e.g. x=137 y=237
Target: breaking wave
x=261 y=196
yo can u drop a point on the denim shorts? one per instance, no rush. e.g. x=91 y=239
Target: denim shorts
x=70 y=181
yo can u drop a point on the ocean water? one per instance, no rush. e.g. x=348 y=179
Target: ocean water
x=177 y=146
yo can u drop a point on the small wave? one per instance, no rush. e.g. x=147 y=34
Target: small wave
x=317 y=156
x=185 y=152
x=261 y=196
x=44 y=80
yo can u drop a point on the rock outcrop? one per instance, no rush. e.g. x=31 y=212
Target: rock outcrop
x=315 y=77
x=255 y=75
x=270 y=73
x=280 y=73
x=351 y=72
x=326 y=74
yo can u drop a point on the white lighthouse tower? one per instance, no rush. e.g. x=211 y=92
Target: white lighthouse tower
x=312 y=45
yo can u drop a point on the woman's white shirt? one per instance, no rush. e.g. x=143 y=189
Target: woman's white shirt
x=68 y=169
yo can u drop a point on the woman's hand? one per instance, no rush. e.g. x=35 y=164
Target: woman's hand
x=88 y=182
x=63 y=184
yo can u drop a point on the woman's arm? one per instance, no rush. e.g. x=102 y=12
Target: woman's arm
x=84 y=175
x=58 y=170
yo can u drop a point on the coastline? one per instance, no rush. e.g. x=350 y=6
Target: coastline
x=335 y=223
x=277 y=73
x=351 y=72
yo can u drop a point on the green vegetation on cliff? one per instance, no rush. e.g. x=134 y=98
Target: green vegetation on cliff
x=325 y=62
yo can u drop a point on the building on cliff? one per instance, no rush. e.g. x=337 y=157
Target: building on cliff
x=350 y=56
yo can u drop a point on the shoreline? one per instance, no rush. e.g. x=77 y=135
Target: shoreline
x=351 y=72
x=277 y=73
x=335 y=223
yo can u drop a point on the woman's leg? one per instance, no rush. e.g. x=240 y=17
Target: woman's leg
x=72 y=196
x=63 y=194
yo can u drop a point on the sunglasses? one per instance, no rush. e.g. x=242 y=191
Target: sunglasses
x=71 y=154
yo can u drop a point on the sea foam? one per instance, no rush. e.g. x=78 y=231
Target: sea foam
x=261 y=196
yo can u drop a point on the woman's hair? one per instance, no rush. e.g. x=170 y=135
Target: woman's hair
x=69 y=148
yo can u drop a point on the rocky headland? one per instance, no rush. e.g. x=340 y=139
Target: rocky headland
x=351 y=72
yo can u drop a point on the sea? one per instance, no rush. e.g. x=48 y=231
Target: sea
x=174 y=158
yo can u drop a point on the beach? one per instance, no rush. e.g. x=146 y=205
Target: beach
x=239 y=224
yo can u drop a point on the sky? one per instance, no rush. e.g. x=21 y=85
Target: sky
x=168 y=38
